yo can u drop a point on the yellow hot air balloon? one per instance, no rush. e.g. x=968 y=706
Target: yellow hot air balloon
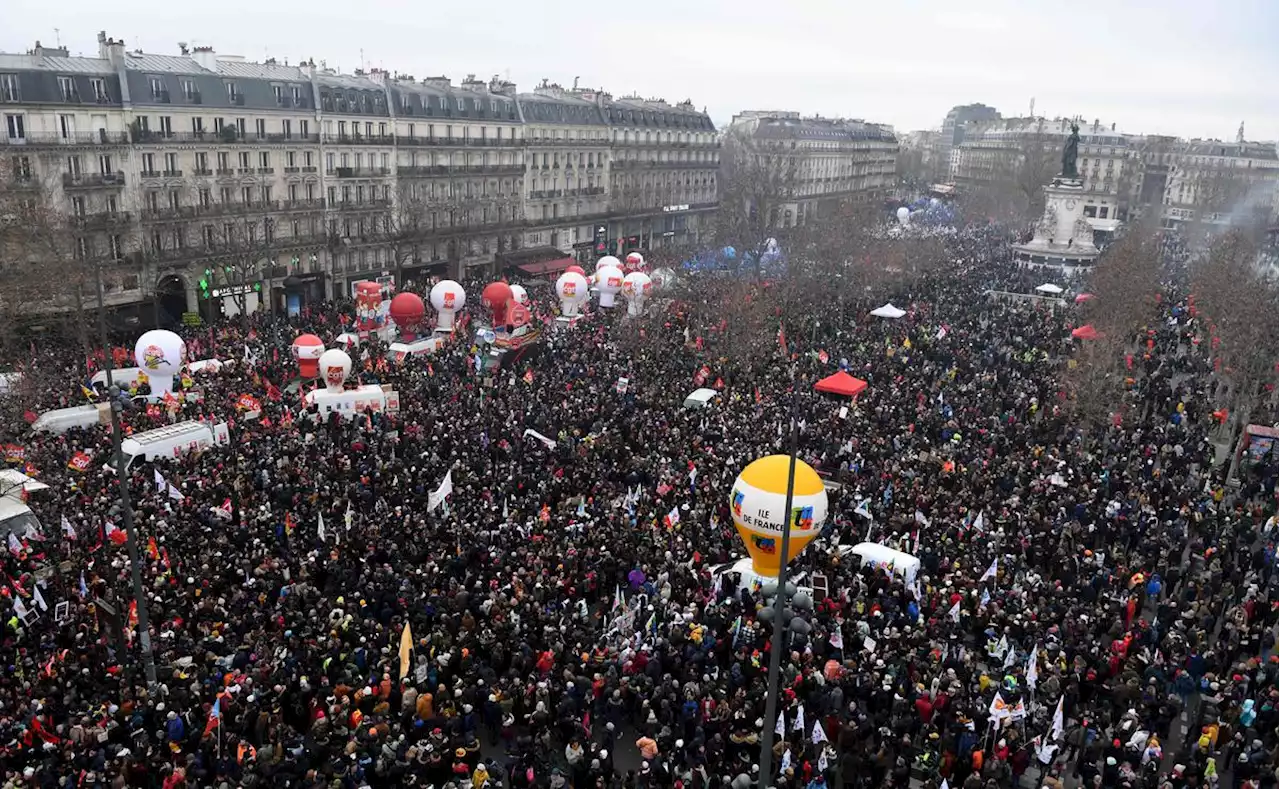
x=758 y=502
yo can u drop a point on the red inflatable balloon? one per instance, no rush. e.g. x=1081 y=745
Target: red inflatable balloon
x=407 y=310
x=576 y=270
x=496 y=297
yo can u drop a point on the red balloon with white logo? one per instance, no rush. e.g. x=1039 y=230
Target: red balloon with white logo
x=496 y=298
x=575 y=270
x=572 y=289
x=335 y=366
x=307 y=349
x=635 y=262
x=448 y=298
x=407 y=310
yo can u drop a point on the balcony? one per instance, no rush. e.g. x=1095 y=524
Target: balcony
x=362 y=172
x=292 y=170
x=172 y=173
x=225 y=171
x=202 y=172
x=363 y=139
x=266 y=171
x=160 y=97
x=92 y=180
x=244 y=171
x=104 y=220
x=102 y=137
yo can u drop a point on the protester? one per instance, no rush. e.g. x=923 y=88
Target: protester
x=561 y=633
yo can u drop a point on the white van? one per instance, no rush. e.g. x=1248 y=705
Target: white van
x=124 y=377
x=172 y=441
x=741 y=574
x=877 y=555
x=700 y=398
x=352 y=403
x=60 y=420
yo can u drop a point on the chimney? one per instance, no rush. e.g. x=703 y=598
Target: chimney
x=205 y=58
x=442 y=83
x=110 y=50
x=502 y=87
x=308 y=69
x=471 y=83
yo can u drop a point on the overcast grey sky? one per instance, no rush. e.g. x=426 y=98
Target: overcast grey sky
x=1184 y=67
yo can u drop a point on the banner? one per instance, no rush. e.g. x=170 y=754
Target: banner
x=79 y=462
x=13 y=453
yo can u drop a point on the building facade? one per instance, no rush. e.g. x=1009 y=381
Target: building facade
x=822 y=161
x=205 y=183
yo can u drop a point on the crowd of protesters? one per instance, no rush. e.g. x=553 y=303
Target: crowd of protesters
x=564 y=633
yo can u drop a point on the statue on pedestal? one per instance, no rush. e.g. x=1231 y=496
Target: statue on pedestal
x=1069 y=152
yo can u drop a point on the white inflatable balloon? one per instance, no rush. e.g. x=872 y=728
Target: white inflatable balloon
x=520 y=295
x=635 y=289
x=335 y=366
x=447 y=297
x=608 y=284
x=161 y=353
x=572 y=289
x=608 y=260
x=904 y=215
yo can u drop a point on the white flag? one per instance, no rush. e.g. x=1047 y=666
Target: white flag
x=991 y=571
x=954 y=613
x=1044 y=751
x=921 y=519
x=837 y=639
x=320 y=526
x=978 y=523
x=1033 y=669
x=799 y=723
x=175 y=494
x=67 y=529
x=999 y=709
x=1010 y=658
x=436 y=498
x=822 y=761
x=819 y=735
x=863 y=509
x=786 y=760
x=15 y=547
x=780 y=728
x=945 y=785
x=39 y=598
x=19 y=607
x=159 y=480
x=1055 y=731
x=349 y=516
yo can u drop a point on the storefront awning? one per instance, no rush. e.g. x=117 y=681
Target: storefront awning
x=546 y=267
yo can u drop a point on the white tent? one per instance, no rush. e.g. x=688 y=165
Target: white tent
x=888 y=311
x=1049 y=288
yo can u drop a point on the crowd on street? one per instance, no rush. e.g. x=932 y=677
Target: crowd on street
x=1096 y=604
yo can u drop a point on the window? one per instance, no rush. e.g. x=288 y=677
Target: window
x=224 y=162
x=67 y=87
x=382 y=130
x=264 y=159
x=293 y=193
x=104 y=164
x=152 y=201
x=328 y=162
x=278 y=91
x=260 y=127
x=306 y=159
x=9 y=88
x=386 y=162
x=189 y=90
x=296 y=90
x=246 y=195
x=461 y=105
x=166 y=126
x=224 y=196
x=290 y=159
x=175 y=200
x=117 y=248
x=232 y=92
x=240 y=128
x=342 y=128
x=148 y=163
x=244 y=160
x=17 y=126
x=286 y=127
x=266 y=193
x=205 y=197
x=22 y=168
x=171 y=163
x=368 y=128
x=304 y=128
x=67 y=126
x=197 y=125
x=77 y=207
x=157 y=88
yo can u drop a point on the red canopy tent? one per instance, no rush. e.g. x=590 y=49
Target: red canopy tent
x=1086 y=332
x=841 y=383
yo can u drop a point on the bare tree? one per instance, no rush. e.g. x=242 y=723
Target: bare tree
x=759 y=179
x=1008 y=179
x=405 y=225
x=1237 y=299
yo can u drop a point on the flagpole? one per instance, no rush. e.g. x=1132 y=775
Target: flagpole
x=126 y=508
x=779 y=624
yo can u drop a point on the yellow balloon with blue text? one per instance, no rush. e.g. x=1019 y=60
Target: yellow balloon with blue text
x=758 y=507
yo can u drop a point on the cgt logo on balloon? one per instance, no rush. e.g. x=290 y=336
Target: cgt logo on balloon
x=334 y=375
x=153 y=357
x=448 y=299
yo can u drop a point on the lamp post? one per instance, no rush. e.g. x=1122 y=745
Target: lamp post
x=126 y=509
x=780 y=627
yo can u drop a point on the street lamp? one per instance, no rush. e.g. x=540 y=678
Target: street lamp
x=126 y=509
x=780 y=625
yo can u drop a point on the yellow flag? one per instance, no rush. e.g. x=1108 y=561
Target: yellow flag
x=406 y=646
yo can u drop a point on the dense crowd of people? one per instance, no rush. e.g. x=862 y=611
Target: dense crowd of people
x=1096 y=605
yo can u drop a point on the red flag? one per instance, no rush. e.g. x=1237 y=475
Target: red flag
x=153 y=550
x=528 y=376
x=782 y=339
x=719 y=384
